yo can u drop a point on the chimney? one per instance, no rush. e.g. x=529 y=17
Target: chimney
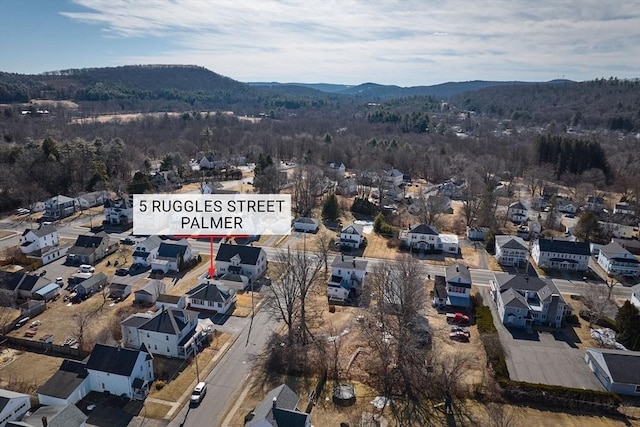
x=45 y=423
x=275 y=402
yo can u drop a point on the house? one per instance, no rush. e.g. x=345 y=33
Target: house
x=538 y=203
x=337 y=169
x=517 y=212
x=439 y=203
x=616 y=260
x=149 y=293
x=213 y=296
x=620 y=226
x=394 y=177
x=594 y=203
x=352 y=236
x=458 y=286
x=67 y=386
x=41 y=238
x=250 y=261
x=561 y=254
x=59 y=207
x=347 y=187
x=209 y=161
x=306 y=224
x=53 y=416
x=347 y=277
x=548 y=191
x=119 y=212
x=92 y=285
x=511 y=251
x=625 y=208
x=279 y=409
x=172 y=256
x=523 y=301
x=13 y=406
x=32 y=307
x=632 y=245
x=635 y=296
x=120 y=371
x=48 y=292
x=439 y=292
x=423 y=237
x=234 y=281
x=93 y=199
x=119 y=290
x=170 y=301
x=9 y=282
x=89 y=249
x=170 y=332
x=453 y=188
x=166 y=180
x=566 y=206
x=146 y=250
x=29 y=285
x=617 y=370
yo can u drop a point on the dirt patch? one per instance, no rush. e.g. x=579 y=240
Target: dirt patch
x=27 y=371
x=377 y=247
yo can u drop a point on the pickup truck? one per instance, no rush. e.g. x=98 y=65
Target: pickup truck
x=457 y=318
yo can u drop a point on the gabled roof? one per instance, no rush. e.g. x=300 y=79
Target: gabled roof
x=394 y=173
x=66 y=379
x=346 y=261
x=7 y=395
x=544 y=287
x=613 y=249
x=57 y=416
x=60 y=199
x=91 y=241
x=169 y=321
x=424 y=229
x=170 y=299
x=517 y=205
x=306 y=220
x=440 y=287
x=353 y=229
x=511 y=242
x=249 y=255
x=623 y=366
x=151 y=242
x=113 y=360
x=10 y=280
x=279 y=409
x=211 y=292
x=173 y=249
x=41 y=231
x=458 y=274
x=31 y=282
x=514 y=298
x=564 y=246
x=93 y=280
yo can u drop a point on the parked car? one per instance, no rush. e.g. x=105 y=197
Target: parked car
x=128 y=241
x=459 y=336
x=86 y=268
x=459 y=329
x=22 y=211
x=198 y=393
x=457 y=318
x=122 y=271
x=59 y=281
x=43 y=272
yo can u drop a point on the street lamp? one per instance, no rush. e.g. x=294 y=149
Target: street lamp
x=195 y=356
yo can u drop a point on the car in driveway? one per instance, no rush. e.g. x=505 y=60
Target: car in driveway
x=128 y=241
x=459 y=336
x=199 y=391
x=122 y=271
x=458 y=318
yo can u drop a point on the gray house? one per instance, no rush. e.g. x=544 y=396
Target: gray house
x=617 y=370
x=150 y=292
x=59 y=207
x=279 y=409
x=92 y=285
x=89 y=249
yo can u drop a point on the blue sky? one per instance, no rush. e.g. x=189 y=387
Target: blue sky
x=402 y=42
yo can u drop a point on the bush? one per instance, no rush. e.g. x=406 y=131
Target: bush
x=160 y=385
x=332 y=308
x=484 y=320
x=572 y=319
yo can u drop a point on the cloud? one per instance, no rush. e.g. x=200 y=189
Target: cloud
x=407 y=42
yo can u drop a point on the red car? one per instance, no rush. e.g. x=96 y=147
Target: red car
x=457 y=318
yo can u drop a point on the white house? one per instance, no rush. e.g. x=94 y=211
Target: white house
x=214 y=296
x=120 y=371
x=423 y=237
x=617 y=370
x=146 y=251
x=250 y=261
x=337 y=169
x=68 y=385
x=347 y=277
x=625 y=208
x=119 y=211
x=59 y=207
x=209 y=161
x=149 y=293
x=42 y=237
x=90 y=200
x=620 y=227
x=594 y=203
x=170 y=301
x=566 y=206
x=352 y=236
x=523 y=301
x=561 y=254
x=306 y=224
x=616 y=260
x=170 y=332
x=517 y=212
x=53 y=416
x=13 y=406
x=172 y=255
x=234 y=281
x=511 y=250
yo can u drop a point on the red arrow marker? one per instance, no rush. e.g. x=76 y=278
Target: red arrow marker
x=212 y=269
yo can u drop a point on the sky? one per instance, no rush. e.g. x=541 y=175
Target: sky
x=400 y=42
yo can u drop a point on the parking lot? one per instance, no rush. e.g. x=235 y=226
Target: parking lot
x=544 y=357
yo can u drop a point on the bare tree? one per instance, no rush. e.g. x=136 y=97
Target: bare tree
x=501 y=415
x=324 y=243
x=307 y=185
x=82 y=320
x=283 y=299
x=597 y=300
x=471 y=199
x=431 y=208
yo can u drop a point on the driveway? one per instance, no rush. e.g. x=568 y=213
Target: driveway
x=544 y=357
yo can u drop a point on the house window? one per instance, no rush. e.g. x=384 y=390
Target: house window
x=168 y=351
x=638 y=389
x=167 y=337
x=155 y=346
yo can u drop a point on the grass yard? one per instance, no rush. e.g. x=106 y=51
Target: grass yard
x=27 y=371
x=154 y=410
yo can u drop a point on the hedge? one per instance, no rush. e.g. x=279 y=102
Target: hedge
x=484 y=320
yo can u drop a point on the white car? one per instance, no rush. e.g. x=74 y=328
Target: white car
x=198 y=393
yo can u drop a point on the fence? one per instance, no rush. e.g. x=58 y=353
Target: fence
x=42 y=347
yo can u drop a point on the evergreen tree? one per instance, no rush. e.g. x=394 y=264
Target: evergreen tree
x=628 y=322
x=331 y=208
